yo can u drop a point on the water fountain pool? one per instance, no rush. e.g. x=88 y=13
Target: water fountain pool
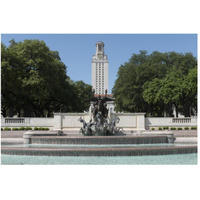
x=100 y=143
x=120 y=150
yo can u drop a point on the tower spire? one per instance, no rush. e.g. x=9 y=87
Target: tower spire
x=100 y=49
x=100 y=70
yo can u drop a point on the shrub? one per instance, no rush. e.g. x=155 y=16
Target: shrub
x=173 y=128
x=180 y=128
x=41 y=129
x=165 y=128
x=193 y=128
x=22 y=128
x=28 y=128
x=7 y=129
x=186 y=128
x=15 y=129
x=152 y=129
x=160 y=128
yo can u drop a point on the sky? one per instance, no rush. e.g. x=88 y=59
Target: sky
x=76 y=50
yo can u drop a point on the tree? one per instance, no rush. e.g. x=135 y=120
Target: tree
x=10 y=80
x=171 y=90
x=83 y=93
x=150 y=95
x=189 y=95
x=34 y=81
x=155 y=83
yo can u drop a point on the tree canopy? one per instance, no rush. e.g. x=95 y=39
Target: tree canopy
x=35 y=82
x=156 y=83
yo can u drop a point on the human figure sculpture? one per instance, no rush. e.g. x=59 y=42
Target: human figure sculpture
x=113 y=127
x=100 y=106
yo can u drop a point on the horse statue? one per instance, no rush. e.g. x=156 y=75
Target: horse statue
x=86 y=129
x=112 y=129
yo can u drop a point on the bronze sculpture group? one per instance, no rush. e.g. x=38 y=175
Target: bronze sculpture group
x=99 y=124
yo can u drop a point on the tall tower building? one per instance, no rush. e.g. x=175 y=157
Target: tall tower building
x=100 y=70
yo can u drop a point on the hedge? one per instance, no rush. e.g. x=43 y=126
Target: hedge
x=41 y=129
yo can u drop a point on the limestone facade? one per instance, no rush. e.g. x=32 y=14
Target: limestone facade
x=100 y=70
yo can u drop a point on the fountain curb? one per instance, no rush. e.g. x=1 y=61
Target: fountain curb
x=29 y=134
x=99 y=152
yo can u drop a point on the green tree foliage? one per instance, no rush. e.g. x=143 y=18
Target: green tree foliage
x=34 y=81
x=171 y=90
x=83 y=92
x=156 y=83
x=189 y=95
x=152 y=97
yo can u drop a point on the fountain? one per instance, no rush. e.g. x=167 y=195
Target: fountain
x=98 y=137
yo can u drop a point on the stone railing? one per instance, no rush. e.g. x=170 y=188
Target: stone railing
x=27 y=122
x=14 y=120
x=181 y=120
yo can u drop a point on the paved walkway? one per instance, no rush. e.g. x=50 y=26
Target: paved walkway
x=186 y=140
x=19 y=134
x=185 y=133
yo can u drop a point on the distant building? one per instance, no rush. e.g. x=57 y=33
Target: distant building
x=100 y=70
x=100 y=76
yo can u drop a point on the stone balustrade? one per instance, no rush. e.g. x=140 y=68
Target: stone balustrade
x=14 y=120
x=182 y=120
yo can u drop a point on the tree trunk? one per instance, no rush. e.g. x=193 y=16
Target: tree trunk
x=176 y=108
x=186 y=111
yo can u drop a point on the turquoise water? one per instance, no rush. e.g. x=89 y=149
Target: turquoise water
x=176 y=159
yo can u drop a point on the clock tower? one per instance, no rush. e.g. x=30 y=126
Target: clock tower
x=100 y=70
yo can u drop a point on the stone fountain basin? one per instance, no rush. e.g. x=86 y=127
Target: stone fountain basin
x=59 y=138
x=138 y=150
x=99 y=151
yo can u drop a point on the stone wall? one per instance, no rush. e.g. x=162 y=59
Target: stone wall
x=133 y=121
x=69 y=120
x=128 y=121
